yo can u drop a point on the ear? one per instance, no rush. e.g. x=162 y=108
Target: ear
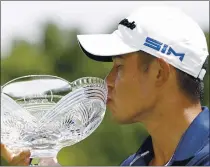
x=163 y=71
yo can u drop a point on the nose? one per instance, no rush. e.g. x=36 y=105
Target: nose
x=110 y=80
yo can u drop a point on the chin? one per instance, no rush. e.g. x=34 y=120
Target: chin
x=121 y=120
x=119 y=116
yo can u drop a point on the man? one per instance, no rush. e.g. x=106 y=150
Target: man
x=159 y=57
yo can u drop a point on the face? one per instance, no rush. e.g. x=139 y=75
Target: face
x=131 y=90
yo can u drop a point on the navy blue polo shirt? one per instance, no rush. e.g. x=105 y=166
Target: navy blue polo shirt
x=195 y=137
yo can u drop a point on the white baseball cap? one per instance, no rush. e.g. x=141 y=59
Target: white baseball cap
x=162 y=31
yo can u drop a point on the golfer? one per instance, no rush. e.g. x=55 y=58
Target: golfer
x=159 y=57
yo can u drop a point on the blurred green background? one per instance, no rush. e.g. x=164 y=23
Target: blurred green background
x=59 y=54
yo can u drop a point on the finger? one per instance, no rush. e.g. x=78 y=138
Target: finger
x=20 y=157
x=2 y=145
x=25 y=162
x=20 y=162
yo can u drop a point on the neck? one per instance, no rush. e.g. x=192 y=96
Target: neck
x=166 y=125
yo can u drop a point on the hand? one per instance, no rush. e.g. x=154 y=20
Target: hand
x=21 y=159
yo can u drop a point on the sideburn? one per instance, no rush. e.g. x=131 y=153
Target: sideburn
x=144 y=61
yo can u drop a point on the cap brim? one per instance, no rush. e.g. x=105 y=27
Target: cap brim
x=102 y=47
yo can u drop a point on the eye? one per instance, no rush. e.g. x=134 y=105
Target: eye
x=119 y=71
x=119 y=67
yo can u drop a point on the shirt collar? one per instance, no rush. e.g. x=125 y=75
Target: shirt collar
x=192 y=140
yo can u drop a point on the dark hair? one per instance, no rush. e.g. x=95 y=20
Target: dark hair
x=192 y=87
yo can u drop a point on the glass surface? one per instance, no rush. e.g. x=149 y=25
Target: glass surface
x=46 y=113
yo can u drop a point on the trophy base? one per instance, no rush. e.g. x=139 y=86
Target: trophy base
x=50 y=153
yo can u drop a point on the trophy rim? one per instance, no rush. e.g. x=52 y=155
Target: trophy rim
x=73 y=83
x=27 y=76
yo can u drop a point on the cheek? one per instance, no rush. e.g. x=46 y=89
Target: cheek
x=145 y=89
x=127 y=92
x=134 y=94
x=147 y=95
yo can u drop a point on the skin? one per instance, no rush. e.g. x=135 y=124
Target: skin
x=152 y=98
x=21 y=159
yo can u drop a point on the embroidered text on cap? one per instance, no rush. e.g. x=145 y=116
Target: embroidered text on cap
x=128 y=24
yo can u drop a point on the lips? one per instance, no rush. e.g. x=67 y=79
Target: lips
x=108 y=100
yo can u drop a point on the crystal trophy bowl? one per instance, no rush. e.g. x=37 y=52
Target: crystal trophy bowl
x=46 y=113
